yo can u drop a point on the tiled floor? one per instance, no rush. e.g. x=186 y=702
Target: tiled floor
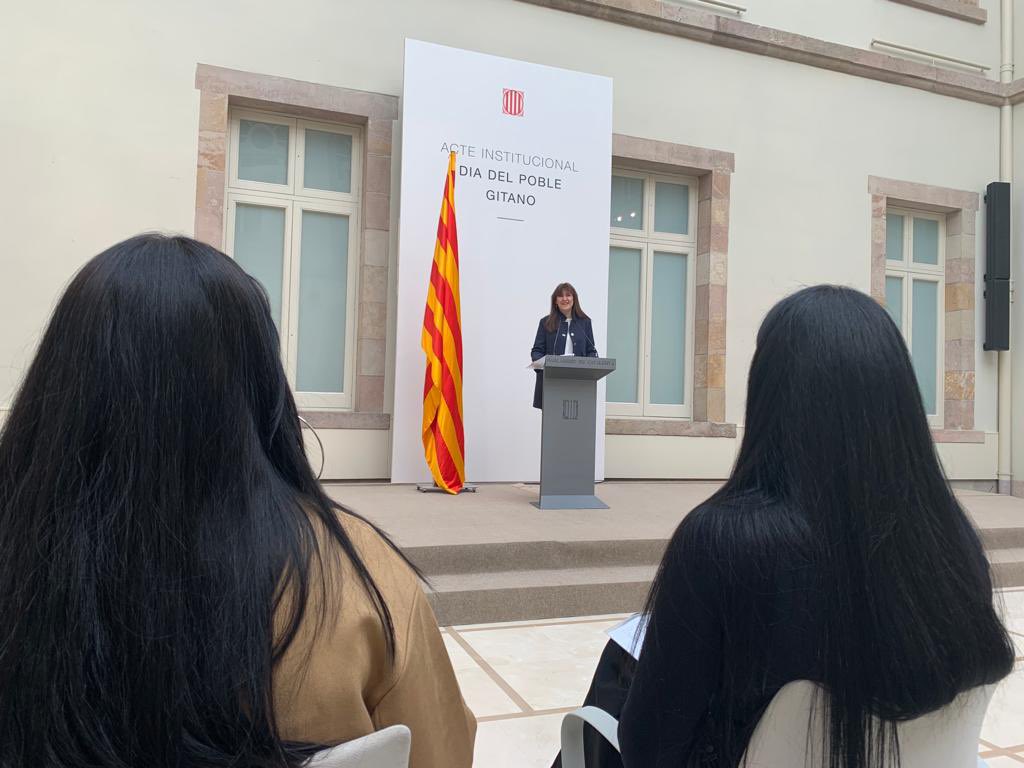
x=521 y=677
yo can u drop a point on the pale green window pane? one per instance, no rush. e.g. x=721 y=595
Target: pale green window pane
x=328 y=161
x=627 y=202
x=259 y=249
x=323 y=301
x=671 y=208
x=924 y=336
x=262 y=152
x=894 y=299
x=623 y=323
x=894 y=237
x=926 y=241
x=668 y=329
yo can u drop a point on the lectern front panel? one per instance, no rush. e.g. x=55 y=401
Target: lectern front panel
x=567 y=447
x=569 y=433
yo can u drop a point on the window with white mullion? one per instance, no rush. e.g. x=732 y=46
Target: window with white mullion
x=630 y=198
x=673 y=216
x=262 y=157
x=627 y=284
x=293 y=224
x=259 y=234
x=669 y=321
x=924 y=321
x=650 y=300
x=322 y=303
x=326 y=161
x=914 y=294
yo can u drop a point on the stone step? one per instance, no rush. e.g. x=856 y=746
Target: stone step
x=492 y=556
x=453 y=559
x=542 y=555
x=478 y=596
x=1003 y=538
x=1007 y=566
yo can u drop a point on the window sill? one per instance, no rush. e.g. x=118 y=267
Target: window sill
x=957 y=436
x=668 y=427
x=346 y=420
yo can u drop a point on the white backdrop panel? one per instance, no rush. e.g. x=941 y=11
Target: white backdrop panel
x=532 y=202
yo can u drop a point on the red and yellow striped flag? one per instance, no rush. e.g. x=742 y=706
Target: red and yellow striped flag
x=443 y=441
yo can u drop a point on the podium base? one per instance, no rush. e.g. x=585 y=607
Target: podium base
x=560 y=501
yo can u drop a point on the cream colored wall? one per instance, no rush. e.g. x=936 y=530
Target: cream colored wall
x=963 y=461
x=352 y=454
x=668 y=457
x=100 y=118
x=1018 y=36
x=800 y=211
x=857 y=23
x=697 y=458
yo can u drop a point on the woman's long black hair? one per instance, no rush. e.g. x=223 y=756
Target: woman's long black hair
x=837 y=474
x=156 y=509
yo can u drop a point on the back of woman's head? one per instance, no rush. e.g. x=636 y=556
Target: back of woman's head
x=155 y=501
x=832 y=401
x=836 y=436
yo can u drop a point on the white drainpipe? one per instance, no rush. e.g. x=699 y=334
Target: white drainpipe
x=1005 y=174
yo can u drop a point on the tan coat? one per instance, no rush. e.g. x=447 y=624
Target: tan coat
x=340 y=686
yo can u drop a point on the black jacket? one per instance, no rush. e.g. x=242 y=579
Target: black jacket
x=721 y=618
x=553 y=343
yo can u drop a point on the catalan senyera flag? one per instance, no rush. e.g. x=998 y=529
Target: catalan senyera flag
x=443 y=440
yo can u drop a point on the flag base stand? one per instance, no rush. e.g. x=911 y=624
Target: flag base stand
x=435 y=488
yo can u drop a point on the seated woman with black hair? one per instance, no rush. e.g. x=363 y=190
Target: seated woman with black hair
x=835 y=552
x=176 y=588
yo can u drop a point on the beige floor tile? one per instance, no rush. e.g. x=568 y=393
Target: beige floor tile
x=461 y=661
x=549 y=666
x=1004 y=721
x=536 y=622
x=522 y=742
x=1018 y=643
x=1013 y=609
x=481 y=693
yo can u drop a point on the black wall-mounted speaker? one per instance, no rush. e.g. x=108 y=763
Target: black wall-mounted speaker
x=997 y=266
x=997 y=231
x=997 y=314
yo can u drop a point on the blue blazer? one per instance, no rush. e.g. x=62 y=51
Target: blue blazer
x=580 y=331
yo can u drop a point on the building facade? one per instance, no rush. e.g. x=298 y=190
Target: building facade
x=755 y=151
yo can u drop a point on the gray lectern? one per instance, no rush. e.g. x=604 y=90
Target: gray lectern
x=569 y=430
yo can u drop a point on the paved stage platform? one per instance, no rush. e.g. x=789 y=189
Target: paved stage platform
x=492 y=556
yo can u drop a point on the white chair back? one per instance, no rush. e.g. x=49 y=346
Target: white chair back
x=791 y=733
x=572 y=733
x=387 y=748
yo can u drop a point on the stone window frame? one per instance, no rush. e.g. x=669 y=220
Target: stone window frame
x=960 y=208
x=220 y=90
x=713 y=170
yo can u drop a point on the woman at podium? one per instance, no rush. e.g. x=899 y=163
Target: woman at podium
x=565 y=330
